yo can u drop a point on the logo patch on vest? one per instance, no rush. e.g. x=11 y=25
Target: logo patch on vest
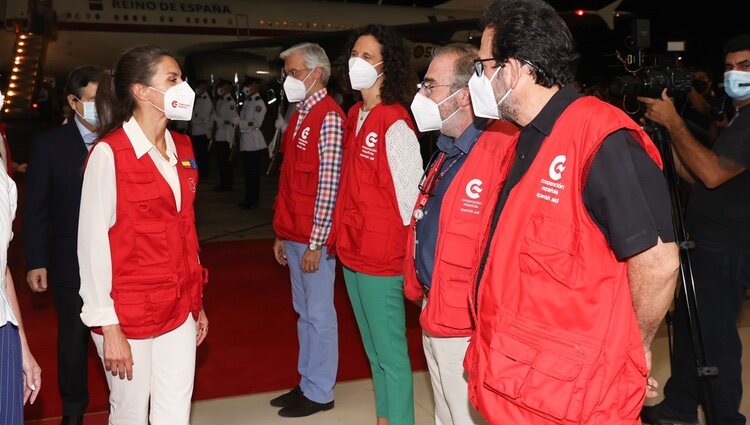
x=550 y=189
x=191 y=184
x=471 y=204
x=302 y=140
x=369 y=147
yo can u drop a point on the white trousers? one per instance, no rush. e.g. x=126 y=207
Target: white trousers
x=163 y=374
x=445 y=361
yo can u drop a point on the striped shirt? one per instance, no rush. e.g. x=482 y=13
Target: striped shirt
x=329 y=152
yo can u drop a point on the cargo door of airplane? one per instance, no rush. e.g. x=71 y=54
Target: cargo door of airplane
x=243 y=26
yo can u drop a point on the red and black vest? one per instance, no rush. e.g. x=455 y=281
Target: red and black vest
x=465 y=214
x=298 y=187
x=370 y=234
x=157 y=278
x=557 y=340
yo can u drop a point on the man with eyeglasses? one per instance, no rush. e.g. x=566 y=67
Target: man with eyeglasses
x=719 y=223
x=452 y=212
x=303 y=213
x=580 y=267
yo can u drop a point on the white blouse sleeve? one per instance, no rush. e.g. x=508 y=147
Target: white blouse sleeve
x=97 y=215
x=405 y=162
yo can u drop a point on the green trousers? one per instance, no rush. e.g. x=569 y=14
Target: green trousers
x=378 y=304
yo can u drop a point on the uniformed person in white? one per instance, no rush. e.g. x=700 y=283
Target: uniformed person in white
x=200 y=126
x=252 y=143
x=226 y=119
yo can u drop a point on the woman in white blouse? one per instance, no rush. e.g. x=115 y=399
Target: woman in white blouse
x=380 y=174
x=20 y=375
x=141 y=279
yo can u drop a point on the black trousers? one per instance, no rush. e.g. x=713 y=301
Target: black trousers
x=251 y=163
x=222 y=151
x=721 y=278
x=200 y=148
x=72 y=351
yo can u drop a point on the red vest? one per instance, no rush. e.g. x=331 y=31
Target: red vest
x=556 y=338
x=298 y=187
x=370 y=234
x=465 y=214
x=156 y=275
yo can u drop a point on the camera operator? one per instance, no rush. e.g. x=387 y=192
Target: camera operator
x=701 y=101
x=718 y=218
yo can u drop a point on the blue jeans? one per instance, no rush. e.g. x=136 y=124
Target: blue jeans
x=721 y=278
x=11 y=376
x=317 y=328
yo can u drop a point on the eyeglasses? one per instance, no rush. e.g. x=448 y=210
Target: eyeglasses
x=428 y=86
x=293 y=73
x=479 y=65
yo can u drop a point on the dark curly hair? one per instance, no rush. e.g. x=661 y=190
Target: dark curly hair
x=399 y=81
x=531 y=30
x=737 y=44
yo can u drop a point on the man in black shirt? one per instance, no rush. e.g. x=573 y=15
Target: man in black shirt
x=581 y=243
x=718 y=219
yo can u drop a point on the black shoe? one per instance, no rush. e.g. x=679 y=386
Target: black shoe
x=72 y=420
x=663 y=415
x=304 y=407
x=288 y=398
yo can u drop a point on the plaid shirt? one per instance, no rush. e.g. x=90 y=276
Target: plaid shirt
x=329 y=151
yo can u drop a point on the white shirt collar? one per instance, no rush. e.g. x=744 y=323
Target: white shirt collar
x=141 y=144
x=87 y=135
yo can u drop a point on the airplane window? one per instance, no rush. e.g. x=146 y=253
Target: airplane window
x=187 y=20
x=135 y=18
x=143 y=18
x=78 y=16
x=97 y=16
x=213 y=20
x=124 y=17
x=117 y=17
x=161 y=19
x=171 y=19
x=69 y=15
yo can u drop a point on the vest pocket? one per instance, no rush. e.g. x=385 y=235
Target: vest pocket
x=141 y=186
x=548 y=250
x=632 y=384
x=151 y=242
x=545 y=374
x=304 y=178
x=454 y=297
x=365 y=235
x=143 y=301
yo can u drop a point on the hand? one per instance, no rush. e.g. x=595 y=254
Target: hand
x=661 y=111
x=37 y=279
x=651 y=383
x=32 y=376
x=118 y=358
x=201 y=327
x=20 y=168
x=279 y=252
x=311 y=260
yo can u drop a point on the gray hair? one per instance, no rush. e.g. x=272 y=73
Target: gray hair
x=314 y=56
x=463 y=68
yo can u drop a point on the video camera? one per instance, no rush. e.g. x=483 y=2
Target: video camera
x=649 y=75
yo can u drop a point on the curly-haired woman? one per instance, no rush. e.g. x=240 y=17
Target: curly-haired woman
x=379 y=186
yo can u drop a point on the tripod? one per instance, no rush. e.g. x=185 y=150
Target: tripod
x=703 y=371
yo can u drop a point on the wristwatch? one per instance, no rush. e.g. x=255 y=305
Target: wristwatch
x=313 y=247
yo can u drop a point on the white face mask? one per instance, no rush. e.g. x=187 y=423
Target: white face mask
x=483 y=96
x=178 y=102
x=362 y=75
x=295 y=89
x=427 y=112
x=89 y=112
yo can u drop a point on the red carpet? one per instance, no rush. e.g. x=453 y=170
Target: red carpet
x=252 y=345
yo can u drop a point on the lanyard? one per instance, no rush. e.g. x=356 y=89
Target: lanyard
x=430 y=182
